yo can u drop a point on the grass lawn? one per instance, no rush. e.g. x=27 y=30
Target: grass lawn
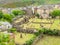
x=25 y=38
x=56 y=24
x=49 y=40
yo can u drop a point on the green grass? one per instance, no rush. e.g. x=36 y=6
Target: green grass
x=56 y=24
x=25 y=38
x=49 y=40
x=53 y=1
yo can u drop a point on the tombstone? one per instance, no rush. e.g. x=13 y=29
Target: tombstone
x=17 y=44
x=21 y=35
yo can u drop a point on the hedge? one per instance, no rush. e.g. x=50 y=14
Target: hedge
x=50 y=32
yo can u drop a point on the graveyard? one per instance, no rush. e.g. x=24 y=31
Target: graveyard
x=31 y=25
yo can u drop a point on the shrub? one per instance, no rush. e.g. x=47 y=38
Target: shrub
x=7 y=17
x=18 y=12
x=5 y=39
x=38 y=33
x=12 y=15
x=49 y=32
x=12 y=30
x=29 y=42
x=55 y=13
x=37 y=15
x=1 y=14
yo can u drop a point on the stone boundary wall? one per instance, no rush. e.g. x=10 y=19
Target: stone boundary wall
x=31 y=31
x=20 y=29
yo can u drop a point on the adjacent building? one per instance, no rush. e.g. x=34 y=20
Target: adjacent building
x=42 y=10
x=4 y=26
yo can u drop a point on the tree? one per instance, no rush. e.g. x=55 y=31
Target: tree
x=55 y=13
x=5 y=39
x=1 y=14
x=7 y=17
x=37 y=15
x=12 y=30
x=18 y=12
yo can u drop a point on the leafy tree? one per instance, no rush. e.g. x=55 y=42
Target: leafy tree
x=12 y=15
x=5 y=17
x=37 y=15
x=29 y=42
x=55 y=13
x=8 y=17
x=18 y=12
x=5 y=38
x=12 y=30
x=1 y=14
